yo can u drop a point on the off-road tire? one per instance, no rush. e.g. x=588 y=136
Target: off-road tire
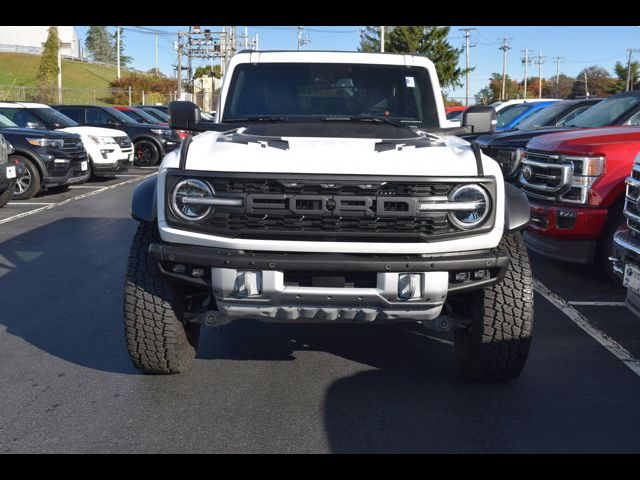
x=6 y=196
x=157 y=340
x=495 y=345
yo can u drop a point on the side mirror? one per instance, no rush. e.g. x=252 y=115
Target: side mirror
x=183 y=115
x=479 y=120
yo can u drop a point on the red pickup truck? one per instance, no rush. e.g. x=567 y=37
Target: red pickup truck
x=575 y=182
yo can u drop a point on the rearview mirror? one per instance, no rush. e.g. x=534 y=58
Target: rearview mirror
x=479 y=119
x=183 y=115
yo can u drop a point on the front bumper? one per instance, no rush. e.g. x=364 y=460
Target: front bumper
x=324 y=295
x=627 y=251
x=74 y=174
x=111 y=168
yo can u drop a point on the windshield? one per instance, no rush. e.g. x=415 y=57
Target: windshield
x=121 y=116
x=6 y=123
x=606 y=112
x=54 y=117
x=163 y=117
x=510 y=113
x=316 y=91
x=544 y=117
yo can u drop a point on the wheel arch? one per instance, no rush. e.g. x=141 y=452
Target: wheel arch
x=143 y=201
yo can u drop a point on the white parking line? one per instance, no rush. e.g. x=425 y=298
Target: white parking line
x=86 y=186
x=599 y=304
x=127 y=175
x=583 y=322
x=147 y=168
x=78 y=197
x=441 y=340
x=30 y=203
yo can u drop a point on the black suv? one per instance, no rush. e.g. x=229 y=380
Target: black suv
x=49 y=158
x=151 y=142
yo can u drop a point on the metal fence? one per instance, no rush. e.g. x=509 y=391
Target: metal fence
x=102 y=96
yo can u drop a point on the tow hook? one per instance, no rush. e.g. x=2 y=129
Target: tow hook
x=618 y=266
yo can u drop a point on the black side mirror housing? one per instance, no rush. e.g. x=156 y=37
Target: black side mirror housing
x=479 y=120
x=183 y=115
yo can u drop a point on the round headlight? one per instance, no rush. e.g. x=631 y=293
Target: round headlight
x=191 y=188
x=472 y=206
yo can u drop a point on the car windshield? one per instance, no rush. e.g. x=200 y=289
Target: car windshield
x=140 y=116
x=163 y=117
x=543 y=117
x=53 y=117
x=121 y=116
x=317 y=91
x=510 y=113
x=6 y=123
x=606 y=112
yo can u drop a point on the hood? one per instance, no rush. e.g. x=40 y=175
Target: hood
x=586 y=140
x=95 y=131
x=34 y=132
x=212 y=151
x=516 y=138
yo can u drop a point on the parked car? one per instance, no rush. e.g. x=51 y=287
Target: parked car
x=151 y=142
x=509 y=117
x=110 y=151
x=506 y=147
x=329 y=217
x=49 y=158
x=455 y=113
x=626 y=257
x=575 y=182
x=162 y=108
x=10 y=172
x=154 y=112
x=140 y=116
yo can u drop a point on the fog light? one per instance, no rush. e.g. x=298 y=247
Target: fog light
x=479 y=274
x=410 y=286
x=248 y=284
x=462 y=276
x=179 y=268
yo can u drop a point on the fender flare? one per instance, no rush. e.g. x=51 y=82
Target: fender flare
x=44 y=172
x=516 y=209
x=143 y=201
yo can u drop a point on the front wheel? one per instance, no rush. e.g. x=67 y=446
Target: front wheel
x=494 y=346
x=147 y=153
x=29 y=184
x=158 y=341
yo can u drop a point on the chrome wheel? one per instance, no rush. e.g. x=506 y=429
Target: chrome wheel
x=24 y=183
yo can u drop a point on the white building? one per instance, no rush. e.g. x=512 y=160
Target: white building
x=32 y=39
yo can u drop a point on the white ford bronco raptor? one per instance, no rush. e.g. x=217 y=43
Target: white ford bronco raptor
x=330 y=188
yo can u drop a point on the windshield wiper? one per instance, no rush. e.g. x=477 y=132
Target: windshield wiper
x=257 y=118
x=366 y=118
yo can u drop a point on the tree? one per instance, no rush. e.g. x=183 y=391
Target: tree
x=98 y=44
x=48 y=68
x=561 y=90
x=208 y=71
x=430 y=41
x=599 y=83
x=620 y=70
x=124 y=59
x=492 y=92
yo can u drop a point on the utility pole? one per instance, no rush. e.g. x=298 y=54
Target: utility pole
x=179 y=47
x=59 y=76
x=382 y=39
x=467 y=36
x=504 y=47
x=629 y=82
x=118 y=50
x=586 y=88
x=302 y=40
x=526 y=60
x=558 y=75
x=539 y=60
x=156 y=35
x=246 y=38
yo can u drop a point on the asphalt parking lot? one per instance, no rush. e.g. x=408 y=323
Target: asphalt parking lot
x=66 y=383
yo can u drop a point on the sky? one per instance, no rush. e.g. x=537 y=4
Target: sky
x=578 y=47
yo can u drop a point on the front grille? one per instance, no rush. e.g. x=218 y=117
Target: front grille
x=74 y=148
x=631 y=210
x=123 y=142
x=335 y=209
x=545 y=175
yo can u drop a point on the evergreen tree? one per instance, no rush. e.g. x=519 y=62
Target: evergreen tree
x=430 y=41
x=620 y=70
x=48 y=68
x=98 y=44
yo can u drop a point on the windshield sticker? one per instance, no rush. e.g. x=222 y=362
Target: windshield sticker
x=411 y=82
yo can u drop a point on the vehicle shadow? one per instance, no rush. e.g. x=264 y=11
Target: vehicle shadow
x=58 y=293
